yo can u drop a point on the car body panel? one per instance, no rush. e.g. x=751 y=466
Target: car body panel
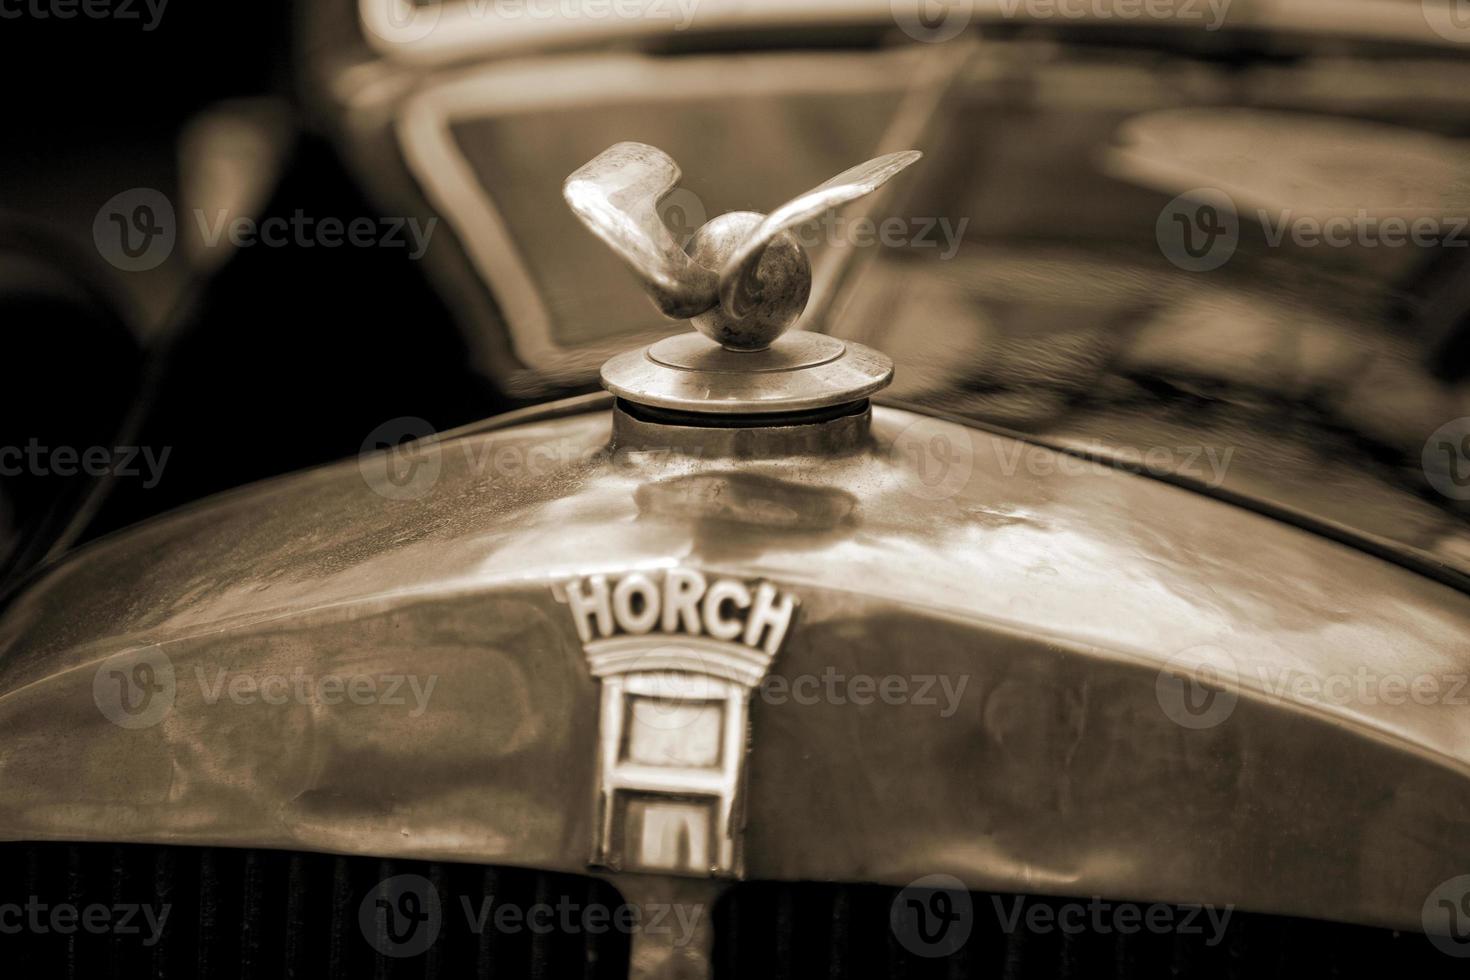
x=1041 y=600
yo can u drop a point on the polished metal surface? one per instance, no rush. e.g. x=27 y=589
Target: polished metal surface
x=799 y=372
x=1051 y=597
x=744 y=279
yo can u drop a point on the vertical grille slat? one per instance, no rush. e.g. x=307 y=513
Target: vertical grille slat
x=485 y=939
x=208 y=914
x=341 y=888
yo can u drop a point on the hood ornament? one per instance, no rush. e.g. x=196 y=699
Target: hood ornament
x=743 y=280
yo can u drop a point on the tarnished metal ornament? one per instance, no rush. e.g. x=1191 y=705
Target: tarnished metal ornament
x=744 y=279
x=784 y=274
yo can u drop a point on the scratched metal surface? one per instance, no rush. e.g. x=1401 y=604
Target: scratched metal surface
x=1057 y=591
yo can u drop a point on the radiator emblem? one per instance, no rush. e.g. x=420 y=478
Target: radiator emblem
x=679 y=656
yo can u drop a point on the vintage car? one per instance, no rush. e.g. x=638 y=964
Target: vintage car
x=777 y=657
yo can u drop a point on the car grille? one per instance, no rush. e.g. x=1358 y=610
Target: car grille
x=261 y=913
x=811 y=931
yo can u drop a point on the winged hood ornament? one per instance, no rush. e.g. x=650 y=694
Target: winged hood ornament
x=744 y=278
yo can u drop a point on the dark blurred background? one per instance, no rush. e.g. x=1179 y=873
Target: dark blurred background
x=265 y=365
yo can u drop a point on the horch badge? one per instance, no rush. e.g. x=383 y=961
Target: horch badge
x=678 y=655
